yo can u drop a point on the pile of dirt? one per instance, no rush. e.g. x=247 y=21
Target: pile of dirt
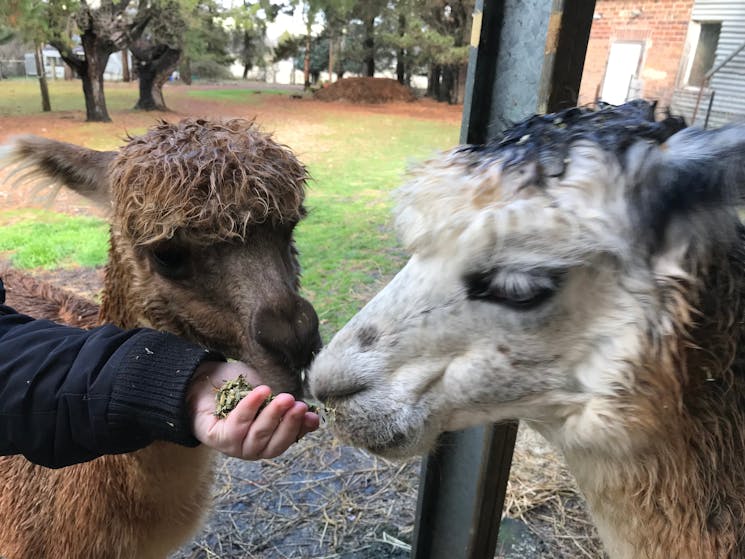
x=365 y=90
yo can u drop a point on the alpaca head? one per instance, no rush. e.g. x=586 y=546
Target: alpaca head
x=202 y=219
x=548 y=270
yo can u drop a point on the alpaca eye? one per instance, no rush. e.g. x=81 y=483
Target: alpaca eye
x=170 y=260
x=516 y=290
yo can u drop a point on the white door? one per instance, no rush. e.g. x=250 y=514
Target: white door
x=623 y=65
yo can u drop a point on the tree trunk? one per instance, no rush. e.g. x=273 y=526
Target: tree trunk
x=147 y=100
x=169 y=65
x=126 y=77
x=247 y=54
x=331 y=59
x=369 y=47
x=96 y=59
x=433 y=83
x=446 y=88
x=185 y=70
x=460 y=89
x=95 y=100
x=46 y=106
x=79 y=67
x=401 y=54
x=306 y=61
x=401 y=67
x=155 y=64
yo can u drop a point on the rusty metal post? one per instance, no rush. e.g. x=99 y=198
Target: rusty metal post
x=526 y=57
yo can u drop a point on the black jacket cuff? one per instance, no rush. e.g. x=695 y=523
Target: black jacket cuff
x=150 y=388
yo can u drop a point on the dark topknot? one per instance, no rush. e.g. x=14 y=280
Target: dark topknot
x=546 y=139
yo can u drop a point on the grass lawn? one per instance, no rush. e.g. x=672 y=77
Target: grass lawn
x=346 y=244
x=251 y=96
x=21 y=96
x=44 y=239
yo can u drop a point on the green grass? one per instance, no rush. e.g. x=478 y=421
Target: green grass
x=22 y=96
x=44 y=239
x=347 y=244
x=245 y=96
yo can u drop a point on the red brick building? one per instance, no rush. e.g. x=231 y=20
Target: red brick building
x=687 y=54
x=646 y=37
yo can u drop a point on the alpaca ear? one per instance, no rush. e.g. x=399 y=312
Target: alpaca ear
x=694 y=173
x=52 y=164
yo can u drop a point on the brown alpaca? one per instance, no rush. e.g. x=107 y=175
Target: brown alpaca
x=584 y=273
x=202 y=246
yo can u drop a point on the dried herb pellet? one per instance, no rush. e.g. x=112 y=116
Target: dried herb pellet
x=233 y=391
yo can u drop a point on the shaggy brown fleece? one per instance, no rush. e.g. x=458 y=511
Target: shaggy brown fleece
x=207 y=189
x=39 y=299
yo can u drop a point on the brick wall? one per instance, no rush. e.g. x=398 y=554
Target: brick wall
x=661 y=25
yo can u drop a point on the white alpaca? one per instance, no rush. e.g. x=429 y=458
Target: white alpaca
x=585 y=274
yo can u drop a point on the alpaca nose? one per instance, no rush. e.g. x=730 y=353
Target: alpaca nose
x=289 y=331
x=331 y=381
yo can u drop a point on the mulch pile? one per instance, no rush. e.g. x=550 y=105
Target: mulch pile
x=365 y=90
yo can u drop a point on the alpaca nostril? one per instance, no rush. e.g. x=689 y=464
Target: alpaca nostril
x=289 y=332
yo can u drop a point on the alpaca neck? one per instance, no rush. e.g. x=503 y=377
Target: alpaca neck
x=609 y=486
x=677 y=493
x=178 y=479
x=676 y=488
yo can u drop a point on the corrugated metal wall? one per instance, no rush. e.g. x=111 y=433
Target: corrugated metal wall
x=729 y=83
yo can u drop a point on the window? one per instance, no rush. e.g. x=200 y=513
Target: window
x=705 y=37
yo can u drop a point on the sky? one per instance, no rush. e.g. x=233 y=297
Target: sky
x=292 y=23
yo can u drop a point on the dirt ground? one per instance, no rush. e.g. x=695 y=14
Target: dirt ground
x=366 y=90
x=322 y=499
x=66 y=124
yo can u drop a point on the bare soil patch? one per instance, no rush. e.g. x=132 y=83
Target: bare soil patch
x=365 y=90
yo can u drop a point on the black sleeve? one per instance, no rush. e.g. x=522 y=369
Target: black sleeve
x=69 y=395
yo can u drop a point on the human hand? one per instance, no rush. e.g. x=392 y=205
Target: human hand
x=246 y=433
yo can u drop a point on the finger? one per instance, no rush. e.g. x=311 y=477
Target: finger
x=310 y=423
x=227 y=435
x=263 y=427
x=287 y=432
x=247 y=409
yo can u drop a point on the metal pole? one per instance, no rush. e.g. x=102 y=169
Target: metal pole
x=708 y=110
x=526 y=56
